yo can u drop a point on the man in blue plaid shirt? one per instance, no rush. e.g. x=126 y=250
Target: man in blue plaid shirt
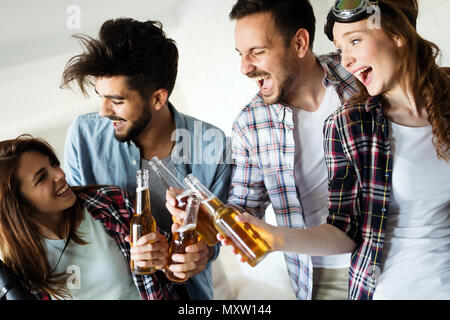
x=277 y=138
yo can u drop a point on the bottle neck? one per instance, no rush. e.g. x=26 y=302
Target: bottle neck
x=213 y=205
x=142 y=201
x=167 y=178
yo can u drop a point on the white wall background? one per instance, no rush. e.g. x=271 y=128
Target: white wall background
x=35 y=45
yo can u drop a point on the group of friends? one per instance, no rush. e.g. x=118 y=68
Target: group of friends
x=350 y=148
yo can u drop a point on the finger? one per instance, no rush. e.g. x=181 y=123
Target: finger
x=128 y=239
x=174 y=211
x=175 y=227
x=182 y=267
x=197 y=247
x=159 y=264
x=181 y=275
x=187 y=257
x=247 y=218
x=150 y=247
x=151 y=237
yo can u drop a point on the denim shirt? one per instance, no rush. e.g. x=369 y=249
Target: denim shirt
x=94 y=156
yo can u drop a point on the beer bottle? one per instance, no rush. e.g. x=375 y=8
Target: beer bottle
x=142 y=222
x=249 y=244
x=185 y=235
x=205 y=224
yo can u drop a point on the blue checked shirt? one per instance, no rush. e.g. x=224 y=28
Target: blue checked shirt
x=263 y=172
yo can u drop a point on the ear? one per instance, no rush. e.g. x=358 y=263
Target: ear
x=399 y=42
x=300 y=42
x=159 y=98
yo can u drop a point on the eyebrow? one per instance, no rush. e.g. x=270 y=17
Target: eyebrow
x=253 y=48
x=347 y=34
x=110 y=96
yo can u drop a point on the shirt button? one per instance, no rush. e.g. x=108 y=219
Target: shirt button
x=134 y=162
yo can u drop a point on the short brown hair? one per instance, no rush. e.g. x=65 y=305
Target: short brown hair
x=289 y=15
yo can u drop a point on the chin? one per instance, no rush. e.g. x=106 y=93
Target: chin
x=122 y=137
x=272 y=99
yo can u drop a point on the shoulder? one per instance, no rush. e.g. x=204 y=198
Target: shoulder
x=335 y=73
x=254 y=111
x=191 y=122
x=101 y=196
x=89 y=123
x=347 y=115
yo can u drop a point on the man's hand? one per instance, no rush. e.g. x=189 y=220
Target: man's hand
x=193 y=261
x=151 y=250
x=265 y=230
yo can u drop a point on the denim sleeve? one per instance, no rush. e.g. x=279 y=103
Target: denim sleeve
x=71 y=163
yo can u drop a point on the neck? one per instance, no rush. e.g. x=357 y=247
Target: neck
x=403 y=108
x=156 y=140
x=49 y=224
x=309 y=92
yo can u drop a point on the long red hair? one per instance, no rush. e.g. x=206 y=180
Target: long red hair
x=418 y=70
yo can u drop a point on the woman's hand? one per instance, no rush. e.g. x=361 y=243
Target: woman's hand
x=151 y=250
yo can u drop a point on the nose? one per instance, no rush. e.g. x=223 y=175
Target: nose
x=347 y=60
x=246 y=65
x=105 y=108
x=58 y=174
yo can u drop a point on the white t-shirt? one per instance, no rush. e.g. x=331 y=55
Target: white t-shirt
x=98 y=269
x=415 y=261
x=311 y=171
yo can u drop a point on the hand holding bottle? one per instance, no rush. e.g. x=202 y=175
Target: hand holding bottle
x=266 y=231
x=151 y=250
x=189 y=254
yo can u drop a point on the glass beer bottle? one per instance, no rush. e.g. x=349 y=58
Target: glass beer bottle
x=205 y=223
x=142 y=222
x=185 y=235
x=249 y=244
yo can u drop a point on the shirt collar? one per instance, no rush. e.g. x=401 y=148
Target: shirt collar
x=373 y=102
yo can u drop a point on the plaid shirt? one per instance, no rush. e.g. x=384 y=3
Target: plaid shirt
x=359 y=160
x=114 y=209
x=263 y=151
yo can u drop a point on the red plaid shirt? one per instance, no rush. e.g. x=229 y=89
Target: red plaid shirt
x=359 y=161
x=114 y=209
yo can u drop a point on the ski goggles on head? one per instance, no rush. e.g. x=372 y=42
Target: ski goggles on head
x=347 y=11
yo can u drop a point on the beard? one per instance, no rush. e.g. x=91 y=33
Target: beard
x=285 y=77
x=289 y=72
x=137 y=126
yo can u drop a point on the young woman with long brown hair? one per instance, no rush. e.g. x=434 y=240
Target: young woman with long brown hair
x=387 y=153
x=64 y=242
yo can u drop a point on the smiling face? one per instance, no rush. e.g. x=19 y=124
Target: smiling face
x=129 y=112
x=370 y=54
x=264 y=57
x=43 y=184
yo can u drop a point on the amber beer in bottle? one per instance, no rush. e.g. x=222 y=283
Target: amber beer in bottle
x=249 y=244
x=185 y=235
x=142 y=222
x=205 y=224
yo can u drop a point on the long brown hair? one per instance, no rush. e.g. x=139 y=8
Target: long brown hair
x=418 y=70
x=21 y=244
